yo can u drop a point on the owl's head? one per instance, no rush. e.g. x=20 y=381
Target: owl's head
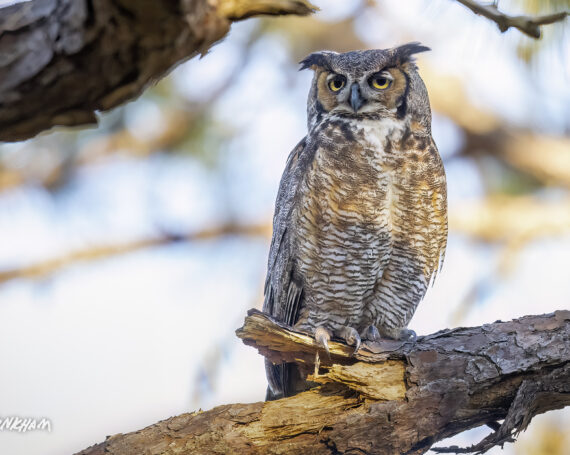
x=375 y=84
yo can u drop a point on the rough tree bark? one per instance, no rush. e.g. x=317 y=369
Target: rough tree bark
x=389 y=397
x=61 y=61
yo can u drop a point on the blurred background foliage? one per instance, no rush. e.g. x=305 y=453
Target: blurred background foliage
x=130 y=252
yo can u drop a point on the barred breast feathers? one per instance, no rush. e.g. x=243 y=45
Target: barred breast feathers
x=363 y=202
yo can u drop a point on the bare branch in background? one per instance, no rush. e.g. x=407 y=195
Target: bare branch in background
x=544 y=157
x=528 y=25
x=390 y=397
x=51 y=266
x=516 y=219
x=64 y=60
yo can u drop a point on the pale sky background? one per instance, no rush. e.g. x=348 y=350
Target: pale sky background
x=115 y=345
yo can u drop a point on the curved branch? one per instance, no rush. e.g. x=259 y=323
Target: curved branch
x=390 y=397
x=61 y=61
x=528 y=25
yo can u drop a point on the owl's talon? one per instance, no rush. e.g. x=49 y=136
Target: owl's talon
x=357 y=347
x=351 y=336
x=398 y=333
x=372 y=333
x=322 y=337
x=408 y=335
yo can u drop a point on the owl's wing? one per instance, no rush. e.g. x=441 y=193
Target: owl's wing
x=283 y=287
x=283 y=293
x=437 y=241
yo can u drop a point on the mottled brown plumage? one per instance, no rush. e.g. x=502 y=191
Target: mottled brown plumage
x=360 y=223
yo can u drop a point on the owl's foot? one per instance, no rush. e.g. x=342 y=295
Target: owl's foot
x=348 y=334
x=322 y=337
x=372 y=334
x=351 y=336
x=399 y=333
x=408 y=335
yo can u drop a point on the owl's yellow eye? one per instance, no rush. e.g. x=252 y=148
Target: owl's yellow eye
x=380 y=82
x=336 y=83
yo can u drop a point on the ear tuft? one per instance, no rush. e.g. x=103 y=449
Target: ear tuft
x=317 y=60
x=405 y=52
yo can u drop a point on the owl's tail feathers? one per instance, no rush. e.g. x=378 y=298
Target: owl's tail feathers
x=284 y=380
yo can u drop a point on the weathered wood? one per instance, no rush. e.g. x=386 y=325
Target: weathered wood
x=61 y=61
x=387 y=398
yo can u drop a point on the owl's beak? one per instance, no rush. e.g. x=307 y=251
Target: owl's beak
x=356 y=99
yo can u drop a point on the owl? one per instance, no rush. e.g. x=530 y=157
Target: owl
x=360 y=224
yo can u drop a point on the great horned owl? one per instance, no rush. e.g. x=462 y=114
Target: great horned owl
x=360 y=224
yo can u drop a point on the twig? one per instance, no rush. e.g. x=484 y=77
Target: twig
x=528 y=25
x=453 y=449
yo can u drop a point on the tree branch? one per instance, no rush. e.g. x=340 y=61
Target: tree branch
x=50 y=266
x=528 y=25
x=64 y=60
x=390 y=397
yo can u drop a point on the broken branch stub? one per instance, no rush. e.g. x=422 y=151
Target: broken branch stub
x=443 y=384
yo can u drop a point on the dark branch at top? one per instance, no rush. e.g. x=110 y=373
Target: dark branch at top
x=64 y=60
